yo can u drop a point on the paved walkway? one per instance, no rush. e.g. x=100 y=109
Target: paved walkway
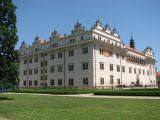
x=93 y=96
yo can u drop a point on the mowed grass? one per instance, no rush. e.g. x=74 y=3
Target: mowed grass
x=38 y=107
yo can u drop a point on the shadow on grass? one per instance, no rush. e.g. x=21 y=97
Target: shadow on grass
x=5 y=98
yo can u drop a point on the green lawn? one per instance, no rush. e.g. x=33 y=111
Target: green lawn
x=36 y=107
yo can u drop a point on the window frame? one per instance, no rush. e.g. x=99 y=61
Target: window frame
x=101 y=66
x=85 y=50
x=85 y=66
x=102 y=81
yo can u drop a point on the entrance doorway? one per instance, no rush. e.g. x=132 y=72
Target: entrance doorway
x=137 y=81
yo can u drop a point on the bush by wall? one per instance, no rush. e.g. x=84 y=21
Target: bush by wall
x=128 y=93
x=118 y=92
x=55 y=91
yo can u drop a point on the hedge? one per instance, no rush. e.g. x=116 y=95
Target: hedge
x=55 y=91
x=121 y=92
x=147 y=89
x=128 y=93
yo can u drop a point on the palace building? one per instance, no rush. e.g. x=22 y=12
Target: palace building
x=85 y=58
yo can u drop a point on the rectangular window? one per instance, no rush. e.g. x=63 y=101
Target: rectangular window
x=73 y=39
x=85 y=81
x=117 y=55
x=101 y=51
x=147 y=72
x=111 y=79
x=24 y=72
x=123 y=68
x=102 y=81
x=101 y=66
x=30 y=60
x=135 y=71
x=81 y=37
x=60 y=55
x=36 y=59
x=130 y=70
x=42 y=78
x=52 y=56
x=42 y=71
x=143 y=72
x=36 y=71
x=70 y=67
x=84 y=50
x=118 y=68
x=41 y=84
x=70 y=53
x=52 y=69
x=42 y=64
x=111 y=67
x=71 y=82
x=35 y=83
x=45 y=63
x=85 y=66
x=30 y=83
x=59 y=81
x=70 y=40
x=60 y=68
x=25 y=61
x=52 y=82
x=122 y=57
x=24 y=83
x=42 y=55
x=45 y=77
x=45 y=70
x=30 y=72
x=139 y=71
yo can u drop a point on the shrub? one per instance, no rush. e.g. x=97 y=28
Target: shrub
x=55 y=91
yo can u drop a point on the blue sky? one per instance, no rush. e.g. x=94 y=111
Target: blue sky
x=141 y=17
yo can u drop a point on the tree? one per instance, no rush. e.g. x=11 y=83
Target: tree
x=8 y=40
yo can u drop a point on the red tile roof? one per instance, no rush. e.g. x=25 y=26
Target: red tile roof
x=134 y=50
x=158 y=74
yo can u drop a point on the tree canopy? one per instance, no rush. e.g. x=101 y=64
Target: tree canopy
x=8 y=40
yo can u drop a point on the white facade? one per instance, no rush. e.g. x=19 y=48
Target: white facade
x=93 y=58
